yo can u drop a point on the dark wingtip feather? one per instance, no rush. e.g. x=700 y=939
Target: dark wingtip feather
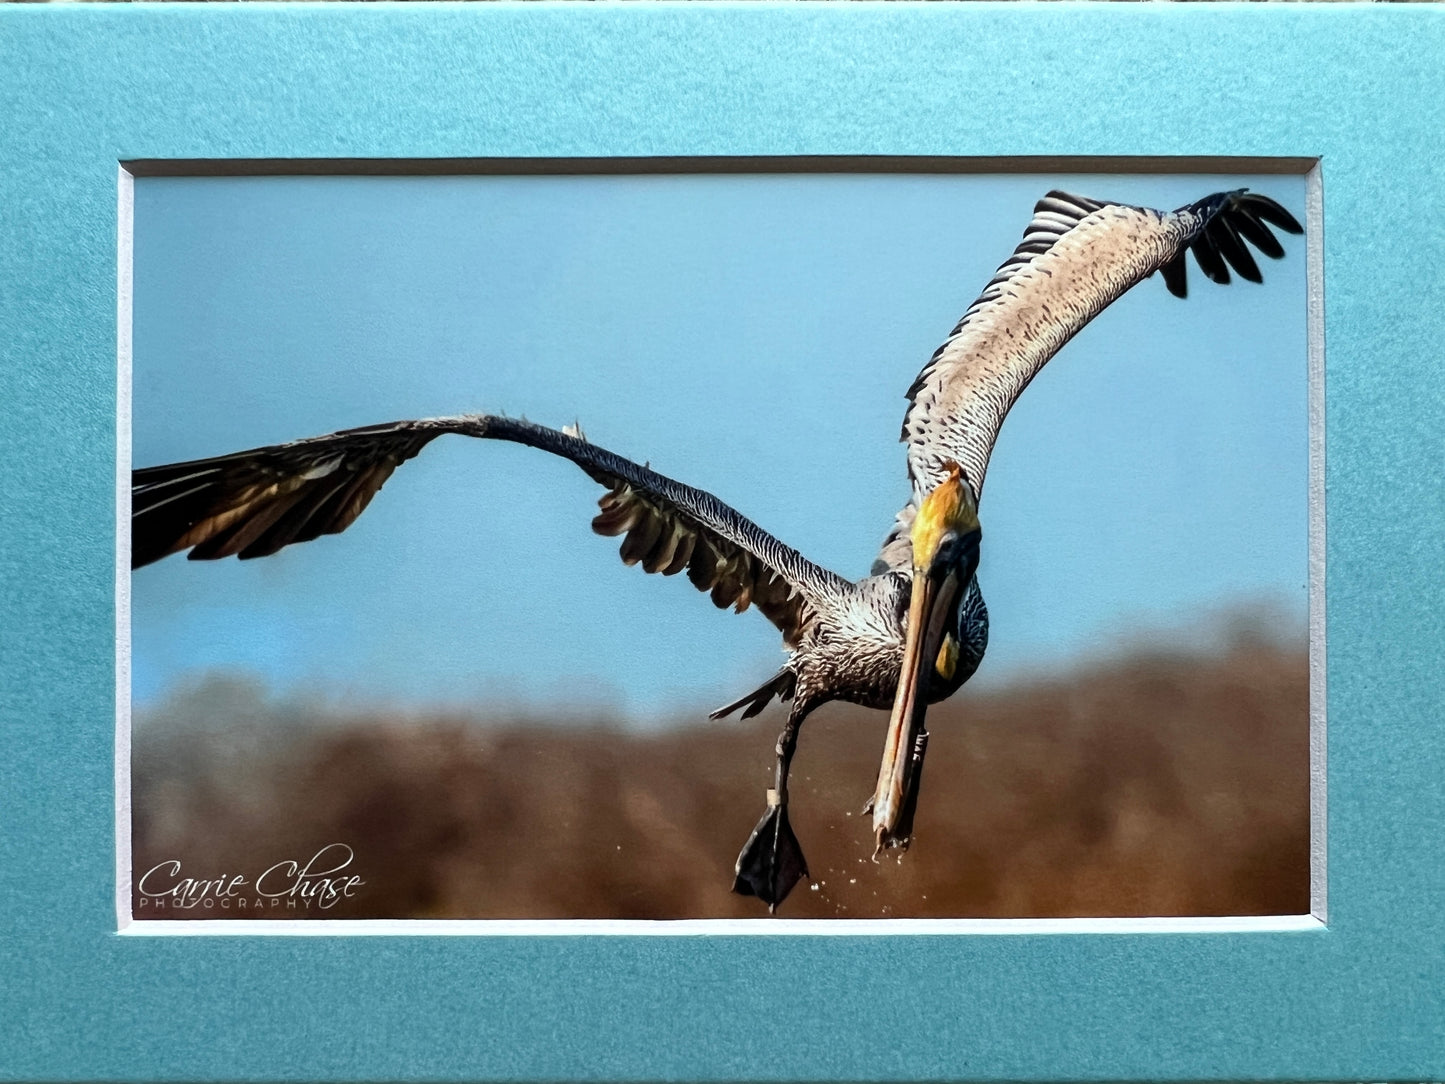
x=1176 y=276
x=1209 y=259
x=1222 y=235
x=1230 y=220
x=1256 y=233
x=143 y=553
x=1267 y=209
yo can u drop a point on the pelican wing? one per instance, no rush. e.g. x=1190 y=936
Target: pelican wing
x=251 y=504
x=1077 y=256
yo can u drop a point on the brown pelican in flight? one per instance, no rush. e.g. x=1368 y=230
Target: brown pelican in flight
x=909 y=634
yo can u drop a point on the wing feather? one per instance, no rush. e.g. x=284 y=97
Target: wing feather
x=1077 y=256
x=1257 y=233
x=254 y=503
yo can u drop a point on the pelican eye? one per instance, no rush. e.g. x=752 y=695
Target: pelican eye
x=947 y=549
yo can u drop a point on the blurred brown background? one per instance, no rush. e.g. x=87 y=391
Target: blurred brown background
x=1157 y=784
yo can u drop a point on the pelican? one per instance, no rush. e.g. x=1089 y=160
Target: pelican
x=907 y=635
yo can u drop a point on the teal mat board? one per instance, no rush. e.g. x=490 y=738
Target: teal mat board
x=83 y=89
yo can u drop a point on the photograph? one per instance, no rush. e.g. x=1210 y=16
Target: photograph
x=382 y=666
x=659 y=542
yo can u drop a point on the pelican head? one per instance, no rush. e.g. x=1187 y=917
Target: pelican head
x=945 y=537
x=946 y=525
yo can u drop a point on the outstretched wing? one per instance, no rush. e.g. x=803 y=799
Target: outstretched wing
x=251 y=504
x=1077 y=256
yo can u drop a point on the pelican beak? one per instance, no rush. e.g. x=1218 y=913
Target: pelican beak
x=935 y=593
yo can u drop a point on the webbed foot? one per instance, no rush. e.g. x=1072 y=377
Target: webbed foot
x=771 y=862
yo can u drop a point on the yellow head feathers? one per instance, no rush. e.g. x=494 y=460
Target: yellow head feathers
x=951 y=506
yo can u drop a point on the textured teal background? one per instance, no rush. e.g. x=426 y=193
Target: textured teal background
x=81 y=89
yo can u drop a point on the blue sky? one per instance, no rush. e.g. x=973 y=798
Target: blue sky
x=752 y=335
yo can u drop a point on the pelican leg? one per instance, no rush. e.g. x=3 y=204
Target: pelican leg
x=771 y=862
